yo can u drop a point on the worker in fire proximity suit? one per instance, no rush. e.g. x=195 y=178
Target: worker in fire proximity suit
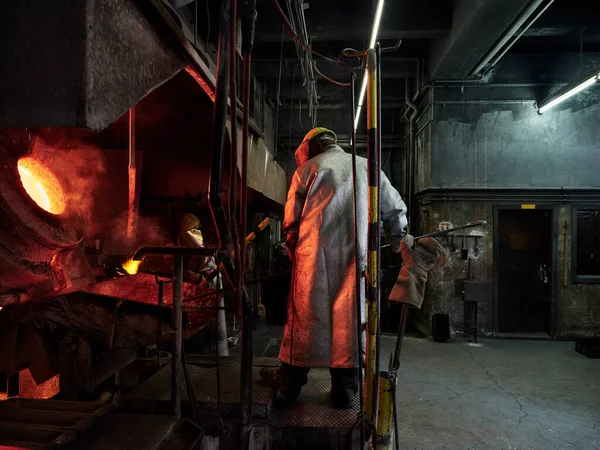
x=202 y=269
x=319 y=222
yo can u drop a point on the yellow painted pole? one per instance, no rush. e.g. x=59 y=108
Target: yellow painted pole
x=372 y=357
x=386 y=412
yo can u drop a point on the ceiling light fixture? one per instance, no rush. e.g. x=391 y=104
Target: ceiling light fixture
x=374 y=32
x=566 y=93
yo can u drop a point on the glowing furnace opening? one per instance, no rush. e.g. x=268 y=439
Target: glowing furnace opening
x=41 y=185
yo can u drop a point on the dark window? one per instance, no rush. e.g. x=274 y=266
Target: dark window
x=586 y=245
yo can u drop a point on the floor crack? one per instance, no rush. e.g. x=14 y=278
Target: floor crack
x=495 y=382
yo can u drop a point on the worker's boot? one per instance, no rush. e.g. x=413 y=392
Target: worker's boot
x=344 y=385
x=280 y=380
x=342 y=398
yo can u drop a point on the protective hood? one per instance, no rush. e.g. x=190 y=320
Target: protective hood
x=303 y=151
x=301 y=154
x=192 y=238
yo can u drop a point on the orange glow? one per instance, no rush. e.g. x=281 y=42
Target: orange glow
x=41 y=185
x=131 y=266
x=28 y=388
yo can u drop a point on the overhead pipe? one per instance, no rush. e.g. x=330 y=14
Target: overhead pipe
x=218 y=138
x=520 y=25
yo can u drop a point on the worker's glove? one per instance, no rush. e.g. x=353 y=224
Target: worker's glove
x=290 y=244
x=417 y=262
x=192 y=277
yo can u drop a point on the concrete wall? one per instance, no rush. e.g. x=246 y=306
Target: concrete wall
x=443 y=294
x=484 y=145
x=577 y=306
x=490 y=137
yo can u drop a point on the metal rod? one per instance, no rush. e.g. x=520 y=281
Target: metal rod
x=246 y=304
x=132 y=174
x=160 y=320
x=218 y=140
x=178 y=330
x=372 y=370
x=175 y=251
x=359 y=302
x=479 y=223
x=233 y=124
x=400 y=337
x=217 y=352
x=378 y=253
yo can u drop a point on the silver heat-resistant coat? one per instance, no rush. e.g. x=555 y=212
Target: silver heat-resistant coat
x=321 y=321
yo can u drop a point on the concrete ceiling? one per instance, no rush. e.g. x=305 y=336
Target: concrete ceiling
x=449 y=38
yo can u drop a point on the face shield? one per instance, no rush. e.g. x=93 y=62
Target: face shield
x=192 y=238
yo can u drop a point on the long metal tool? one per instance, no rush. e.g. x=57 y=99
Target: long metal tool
x=479 y=223
x=359 y=303
x=372 y=360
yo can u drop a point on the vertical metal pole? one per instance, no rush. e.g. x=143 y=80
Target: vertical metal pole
x=359 y=302
x=233 y=120
x=160 y=321
x=400 y=337
x=378 y=248
x=372 y=367
x=178 y=329
x=132 y=173
x=247 y=313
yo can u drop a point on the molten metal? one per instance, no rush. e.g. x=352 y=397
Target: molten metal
x=41 y=185
x=131 y=266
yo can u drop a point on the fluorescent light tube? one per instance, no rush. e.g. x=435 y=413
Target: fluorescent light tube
x=361 y=97
x=374 y=32
x=376 y=23
x=570 y=93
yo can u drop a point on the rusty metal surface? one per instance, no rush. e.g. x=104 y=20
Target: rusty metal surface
x=103 y=58
x=142 y=288
x=154 y=394
x=313 y=408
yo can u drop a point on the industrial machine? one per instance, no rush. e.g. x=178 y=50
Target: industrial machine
x=102 y=342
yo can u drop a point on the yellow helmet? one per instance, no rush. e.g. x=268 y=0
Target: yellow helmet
x=316 y=132
x=188 y=222
x=302 y=152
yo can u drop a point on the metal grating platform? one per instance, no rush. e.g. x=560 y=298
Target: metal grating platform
x=154 y=395
x=313 y=408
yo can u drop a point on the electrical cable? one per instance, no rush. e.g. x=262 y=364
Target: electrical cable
x=293 y=35
x=325 y=77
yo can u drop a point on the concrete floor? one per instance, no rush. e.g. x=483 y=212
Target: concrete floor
x=498 y=394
